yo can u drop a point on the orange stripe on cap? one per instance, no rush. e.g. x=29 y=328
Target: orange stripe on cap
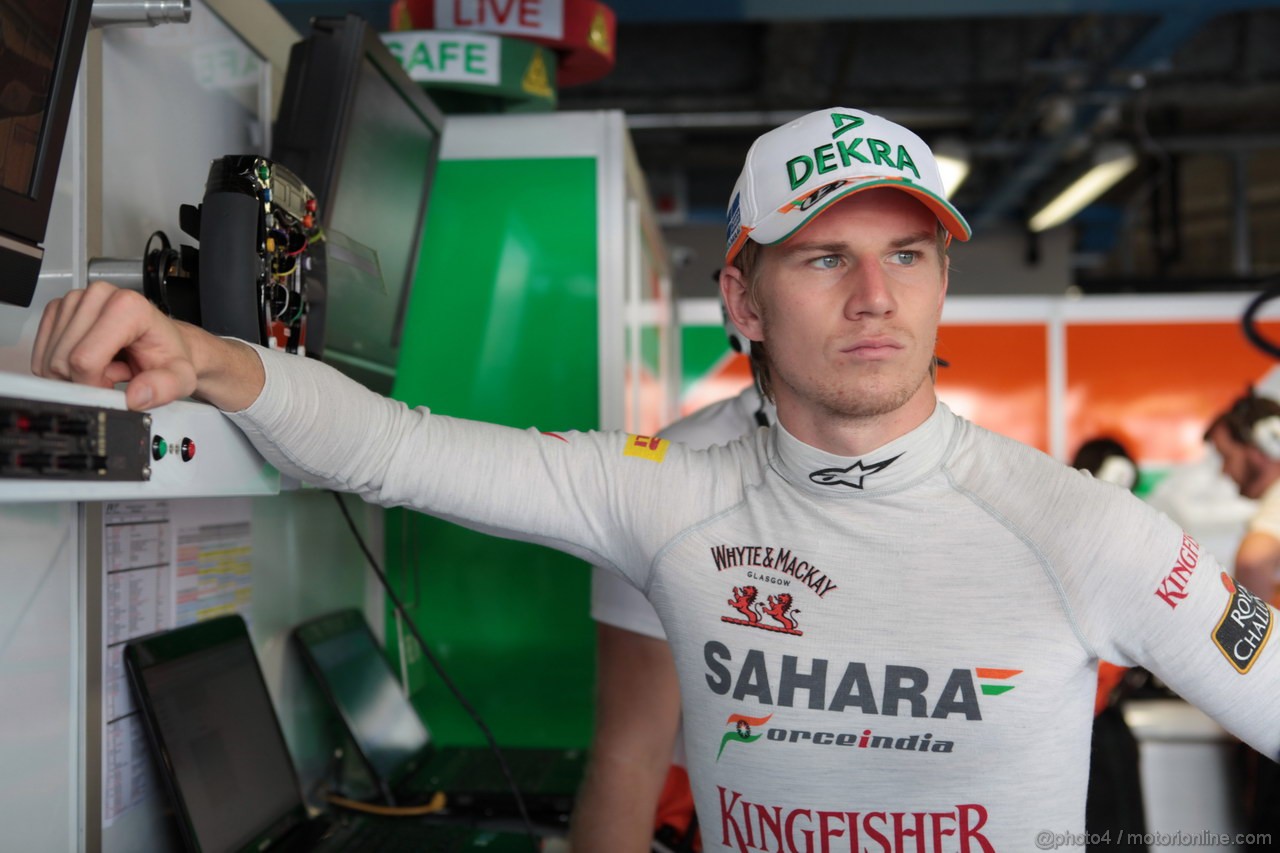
x=984 y=672
x=737 y=245
x=954 y=226
x=751 y=721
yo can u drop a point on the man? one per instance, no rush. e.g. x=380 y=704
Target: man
x=885 y=620
x=1247 y=437
x=632 y=787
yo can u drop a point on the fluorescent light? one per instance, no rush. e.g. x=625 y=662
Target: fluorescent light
x=1110 y=164
x=953 y=163
x=953 y=171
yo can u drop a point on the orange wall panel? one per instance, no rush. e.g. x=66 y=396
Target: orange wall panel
x=1156 y=385
x=998 y=377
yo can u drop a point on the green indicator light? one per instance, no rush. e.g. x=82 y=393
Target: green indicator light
x=159 y=447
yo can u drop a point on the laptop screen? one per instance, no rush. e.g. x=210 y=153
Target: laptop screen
x=363 y=687
x=203 y=694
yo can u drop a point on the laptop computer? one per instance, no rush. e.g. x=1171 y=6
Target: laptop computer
x=395 y=743
x=223 y=758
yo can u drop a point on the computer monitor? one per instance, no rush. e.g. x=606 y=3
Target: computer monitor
x=365 y=138
x=41 y=42
x=359 y=683
x=210 y=720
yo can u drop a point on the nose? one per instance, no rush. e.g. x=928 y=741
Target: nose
x=869 y=293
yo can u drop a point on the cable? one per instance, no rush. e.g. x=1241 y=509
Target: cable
x=1249 y=323
x=437 y=803
x=439 y=668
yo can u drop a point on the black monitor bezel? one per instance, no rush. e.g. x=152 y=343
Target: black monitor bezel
x=164 y=647
x=24 y=216
x=316 y=631
x=313 y=122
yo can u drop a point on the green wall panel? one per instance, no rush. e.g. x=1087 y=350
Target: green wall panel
x=701 y=348
x=502 y=327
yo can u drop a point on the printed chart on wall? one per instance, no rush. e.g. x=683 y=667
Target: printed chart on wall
x=166 y=564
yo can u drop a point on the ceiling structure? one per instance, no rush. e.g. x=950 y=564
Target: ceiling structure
x=1028 y=88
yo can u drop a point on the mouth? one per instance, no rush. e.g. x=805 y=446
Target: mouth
x=873 y=349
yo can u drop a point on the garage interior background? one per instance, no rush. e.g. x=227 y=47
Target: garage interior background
x=1026 y=91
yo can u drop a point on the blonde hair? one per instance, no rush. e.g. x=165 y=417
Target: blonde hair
x=748 y=263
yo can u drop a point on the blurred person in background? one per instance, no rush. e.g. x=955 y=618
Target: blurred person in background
x=1247 y=438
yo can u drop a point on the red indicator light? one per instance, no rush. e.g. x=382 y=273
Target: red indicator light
x=188 y=449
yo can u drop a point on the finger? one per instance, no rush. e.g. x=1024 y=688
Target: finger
x=43 y=331
x=159 y=386
x=106 y=322
x=65 y=308
x=127 y=319
x=80 y=314
x=118 y=371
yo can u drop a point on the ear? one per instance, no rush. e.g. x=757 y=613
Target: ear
x=946 y=278
x=737 y=301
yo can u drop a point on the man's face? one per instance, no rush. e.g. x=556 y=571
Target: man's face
x=1240 y=462
x=849 y=307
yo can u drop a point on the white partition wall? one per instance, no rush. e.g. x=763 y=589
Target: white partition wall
x=153 y=107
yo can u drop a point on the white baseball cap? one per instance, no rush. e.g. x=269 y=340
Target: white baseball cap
x=796 y=171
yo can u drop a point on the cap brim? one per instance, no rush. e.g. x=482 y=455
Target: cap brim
x=783 y=224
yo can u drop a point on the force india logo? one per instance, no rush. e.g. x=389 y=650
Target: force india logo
x=744 y=729
x=1244 y=628
x=746 y=826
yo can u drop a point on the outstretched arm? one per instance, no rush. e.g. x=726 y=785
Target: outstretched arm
x=103 y=335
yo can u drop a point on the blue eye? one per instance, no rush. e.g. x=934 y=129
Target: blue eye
x=906 y=258
x=828 y=262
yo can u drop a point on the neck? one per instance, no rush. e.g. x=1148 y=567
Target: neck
x=851 y=435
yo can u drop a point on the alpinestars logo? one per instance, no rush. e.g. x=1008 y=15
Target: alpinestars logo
x=853 y=476
x=779 y=608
